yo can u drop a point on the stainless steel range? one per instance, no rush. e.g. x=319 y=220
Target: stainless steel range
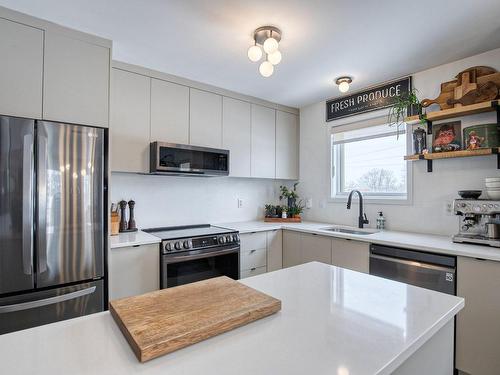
x=198 y=252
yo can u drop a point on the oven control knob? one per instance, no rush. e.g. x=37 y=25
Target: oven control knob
x=222 y=240
x=236 y=238
x=187 y=244
x=168 y=246
x=229 y=238
x=178 y=245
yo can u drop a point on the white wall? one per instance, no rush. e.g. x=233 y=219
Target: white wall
x=167 y=200
x=431 y=191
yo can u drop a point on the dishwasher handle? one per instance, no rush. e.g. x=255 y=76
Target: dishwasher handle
x=414 y=263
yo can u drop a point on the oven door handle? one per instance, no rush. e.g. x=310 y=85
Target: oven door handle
x=182 y=258
x=413 y=263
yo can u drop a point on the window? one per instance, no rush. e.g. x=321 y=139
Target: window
x=370 y=159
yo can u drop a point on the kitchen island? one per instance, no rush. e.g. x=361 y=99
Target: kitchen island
x=333 y=321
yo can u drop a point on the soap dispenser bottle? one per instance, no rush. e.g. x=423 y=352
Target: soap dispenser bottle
x=380 y=221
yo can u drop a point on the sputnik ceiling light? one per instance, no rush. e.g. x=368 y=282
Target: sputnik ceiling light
x=266 y=41
x=343 y=83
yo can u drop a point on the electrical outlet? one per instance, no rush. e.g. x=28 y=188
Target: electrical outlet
x=240 y=202
x=309 y=203
x=448 y=208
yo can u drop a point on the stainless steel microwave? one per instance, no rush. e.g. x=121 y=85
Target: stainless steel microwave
x=177 y=159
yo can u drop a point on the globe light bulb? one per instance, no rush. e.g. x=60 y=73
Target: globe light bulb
x=254 y=53
x=344 y=86
x=266 y=69
x=270 y=45
x=274 y=58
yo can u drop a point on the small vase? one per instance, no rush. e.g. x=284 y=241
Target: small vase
x=291 y=202
x=283 y=215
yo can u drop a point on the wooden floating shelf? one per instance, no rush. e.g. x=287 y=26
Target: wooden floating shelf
x=456 y=112
x=454 y=154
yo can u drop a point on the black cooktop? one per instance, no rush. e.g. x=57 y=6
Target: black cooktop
x=171 y=233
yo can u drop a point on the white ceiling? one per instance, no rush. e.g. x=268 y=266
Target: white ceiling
x=206 y=41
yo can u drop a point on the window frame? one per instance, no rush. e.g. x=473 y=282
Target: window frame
x=336 y=196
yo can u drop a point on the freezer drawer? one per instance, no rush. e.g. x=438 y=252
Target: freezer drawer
x=48 y=306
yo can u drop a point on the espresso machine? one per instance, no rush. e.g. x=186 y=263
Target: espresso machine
x=479 y=221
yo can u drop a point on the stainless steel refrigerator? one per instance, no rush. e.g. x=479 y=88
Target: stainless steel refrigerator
x=52 y=222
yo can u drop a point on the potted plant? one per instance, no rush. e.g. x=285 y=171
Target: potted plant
x=296 y=210
x=269 y=208
x=284 y=210
x=405 y=105
x=291 y=194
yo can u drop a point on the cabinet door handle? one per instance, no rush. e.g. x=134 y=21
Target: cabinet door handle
x=252 y=251
x=253 y=269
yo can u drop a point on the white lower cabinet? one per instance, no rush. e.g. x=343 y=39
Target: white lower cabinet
x=252 y=272
x=133 y=270
x=301 y=248
x=274 y=250
x=315 y=248
x=478 y=324
x=253 y=254
x=353 y=255
x=291 y=249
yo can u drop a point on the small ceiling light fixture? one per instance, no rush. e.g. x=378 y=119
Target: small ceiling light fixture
x=266 y=38
x=343 y=83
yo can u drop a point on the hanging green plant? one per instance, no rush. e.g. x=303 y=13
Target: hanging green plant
x=405 y=105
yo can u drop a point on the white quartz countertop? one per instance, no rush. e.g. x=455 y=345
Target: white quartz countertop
x=132 y=239
x=333 y=321
x=408 y=240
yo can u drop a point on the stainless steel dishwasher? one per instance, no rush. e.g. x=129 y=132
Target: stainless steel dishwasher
x=426 y=270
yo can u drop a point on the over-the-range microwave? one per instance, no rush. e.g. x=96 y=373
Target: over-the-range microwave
x=178 y=159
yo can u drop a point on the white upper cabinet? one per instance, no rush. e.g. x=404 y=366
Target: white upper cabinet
x=76 y=81
x=169 y=112
x=21 y=70
x=263 y=141
x=236 y=135
x=205 y=119
x=130 y=125
x=287 y=146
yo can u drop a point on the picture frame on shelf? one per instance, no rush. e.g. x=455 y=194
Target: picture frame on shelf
x=447 y=136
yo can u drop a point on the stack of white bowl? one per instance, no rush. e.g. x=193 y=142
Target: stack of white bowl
x=493 y=187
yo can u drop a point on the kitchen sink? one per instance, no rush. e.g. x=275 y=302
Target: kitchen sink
x=350 y=231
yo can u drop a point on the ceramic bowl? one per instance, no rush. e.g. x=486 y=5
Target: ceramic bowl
x=470 y=194
x=494 y=194
x=490 y=185
x=492 y=179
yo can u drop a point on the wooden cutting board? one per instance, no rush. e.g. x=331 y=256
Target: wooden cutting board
x=160 y=322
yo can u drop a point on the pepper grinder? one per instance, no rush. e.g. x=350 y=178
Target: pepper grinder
x=131 y=220
x=123 y=222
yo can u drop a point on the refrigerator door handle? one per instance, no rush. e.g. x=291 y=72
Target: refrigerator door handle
x=47 y=301
x=28 y=204
x=42 y=203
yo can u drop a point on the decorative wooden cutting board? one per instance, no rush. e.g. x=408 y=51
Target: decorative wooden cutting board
x=160 y=322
